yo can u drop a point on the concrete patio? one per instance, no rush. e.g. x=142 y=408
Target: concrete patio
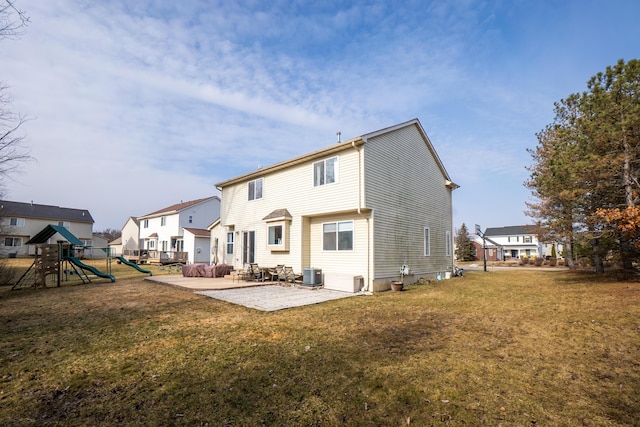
x=264 y=296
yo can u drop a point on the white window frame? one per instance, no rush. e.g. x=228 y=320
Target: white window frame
x=230 y=243
x=427 y=241
x=64 y=224
x=337 y=236
x=190 y=219
x=152 y=244
x=253 y=187
x=17 y=222
x=271 y=236
x=320 y=180
x=448 y=242
x=145 y=223
x=13 y=242
x=163 y=220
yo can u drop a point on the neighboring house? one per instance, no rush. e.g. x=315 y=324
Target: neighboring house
x=115 y=247
x=21 y=221
x=129 y=236
x=358 y=211
x=493 y=250
x=161 y=236
x=98 y=247
x=516 y=241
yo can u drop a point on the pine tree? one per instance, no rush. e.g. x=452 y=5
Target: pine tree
x=464 y=245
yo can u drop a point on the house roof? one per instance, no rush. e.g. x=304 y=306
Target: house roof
x=178 y=207
x=117 y=241
x=46 y=233
x=510 y=230
x=278 y=214
x=335 y=148
x=198 y=232
x=31 y=210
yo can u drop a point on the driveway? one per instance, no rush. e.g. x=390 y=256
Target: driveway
x=256 y=295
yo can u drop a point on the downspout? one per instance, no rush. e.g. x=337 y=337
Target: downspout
x=353 y=144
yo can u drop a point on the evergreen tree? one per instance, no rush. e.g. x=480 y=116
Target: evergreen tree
x=464 y=245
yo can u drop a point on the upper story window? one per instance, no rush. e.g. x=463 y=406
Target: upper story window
x=255 y=189
x=337 y=236
x=325 y=171
x=163 y=221
x=16 y=222
x=527 y=239
x=145 y=224
x=64 y=224
x=448 y=242
x=190 y=219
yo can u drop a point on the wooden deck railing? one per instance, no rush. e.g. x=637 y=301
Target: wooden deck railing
x=152 y=256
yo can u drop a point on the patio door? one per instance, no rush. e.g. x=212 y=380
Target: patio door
x=248 y=247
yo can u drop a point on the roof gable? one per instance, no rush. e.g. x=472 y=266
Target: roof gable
x=179 y=207
x=341 y=146
x=31 y=210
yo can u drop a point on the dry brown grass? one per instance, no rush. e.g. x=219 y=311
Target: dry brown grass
x=512 y=348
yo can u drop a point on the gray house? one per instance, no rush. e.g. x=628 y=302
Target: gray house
x=22 y=221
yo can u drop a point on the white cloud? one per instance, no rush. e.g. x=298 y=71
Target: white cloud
x=191 y=93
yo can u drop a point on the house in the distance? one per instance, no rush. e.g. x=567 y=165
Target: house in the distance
x=172 y=234
x=22 y=221
x=514 y=241
x=353 y=213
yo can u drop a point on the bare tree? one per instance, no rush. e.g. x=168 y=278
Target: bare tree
x=13 y=22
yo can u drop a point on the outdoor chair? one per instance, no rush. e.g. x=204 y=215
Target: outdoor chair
x=246 y=273
x=274 y=273
x=289 y=275
x=257 y=273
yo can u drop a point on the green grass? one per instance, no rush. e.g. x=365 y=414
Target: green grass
x=512 y=348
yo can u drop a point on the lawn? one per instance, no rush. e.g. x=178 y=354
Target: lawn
x=510 y=348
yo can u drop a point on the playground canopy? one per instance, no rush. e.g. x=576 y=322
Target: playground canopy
x=46 y=233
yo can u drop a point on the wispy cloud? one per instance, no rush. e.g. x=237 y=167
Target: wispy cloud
x=129 y=97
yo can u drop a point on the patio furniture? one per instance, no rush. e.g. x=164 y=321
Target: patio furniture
x=245 y=274
x=274 y=273
x=289 y=276
x=257 y=273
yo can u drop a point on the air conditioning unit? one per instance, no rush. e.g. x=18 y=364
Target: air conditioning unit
x=312 y=277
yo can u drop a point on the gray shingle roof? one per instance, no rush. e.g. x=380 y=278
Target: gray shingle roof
x=32 y=210
x=511 y=230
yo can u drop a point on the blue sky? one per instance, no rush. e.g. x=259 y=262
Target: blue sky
x=137 y=105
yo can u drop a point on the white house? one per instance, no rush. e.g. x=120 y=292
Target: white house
x=22 y=221
x=161 y=237
x=129 y=237
x=357 y=210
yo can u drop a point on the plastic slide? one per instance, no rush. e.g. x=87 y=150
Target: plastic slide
x=93 y=270
x=134 y=265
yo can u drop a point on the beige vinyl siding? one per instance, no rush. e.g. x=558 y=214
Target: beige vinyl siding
x=353 y=262
x=406 y=190
x=290 y=189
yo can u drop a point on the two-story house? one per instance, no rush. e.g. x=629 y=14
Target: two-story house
x=172 y=234
x=358 y=210
x=21 y=221
x=514 y=241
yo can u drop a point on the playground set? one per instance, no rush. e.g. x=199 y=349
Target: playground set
x=53 y=262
